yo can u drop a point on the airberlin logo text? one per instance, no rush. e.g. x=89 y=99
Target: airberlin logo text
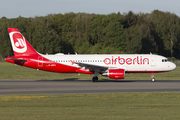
x=18 y=42
x=129 y=61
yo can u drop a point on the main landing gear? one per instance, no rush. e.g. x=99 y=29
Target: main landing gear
x=152 y=77
x=95 y=78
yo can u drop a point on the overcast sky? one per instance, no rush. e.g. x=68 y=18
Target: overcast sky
x=32 y=8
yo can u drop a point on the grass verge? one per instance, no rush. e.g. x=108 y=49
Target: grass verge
x=124 y=106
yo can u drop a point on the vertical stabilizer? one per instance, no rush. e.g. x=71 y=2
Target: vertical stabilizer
x=20 y=45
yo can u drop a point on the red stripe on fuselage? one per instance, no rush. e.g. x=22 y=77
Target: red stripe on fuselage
x=48 y=65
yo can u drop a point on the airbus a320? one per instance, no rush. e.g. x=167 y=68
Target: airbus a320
x=112 y=65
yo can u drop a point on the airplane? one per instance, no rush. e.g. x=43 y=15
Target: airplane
x=113 y=66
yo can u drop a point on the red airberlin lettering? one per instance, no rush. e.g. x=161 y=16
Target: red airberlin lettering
x=107 y=61
x=120 y=60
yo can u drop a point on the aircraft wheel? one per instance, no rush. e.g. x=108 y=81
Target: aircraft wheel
x=95 y=79
x=153 y=80
x=152 y=77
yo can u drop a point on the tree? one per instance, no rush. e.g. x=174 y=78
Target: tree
x=166 y=31
x=132 y=40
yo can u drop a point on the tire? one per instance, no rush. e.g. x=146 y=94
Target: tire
x=95 y=79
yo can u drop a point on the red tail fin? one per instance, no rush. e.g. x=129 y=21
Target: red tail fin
x=20 y=45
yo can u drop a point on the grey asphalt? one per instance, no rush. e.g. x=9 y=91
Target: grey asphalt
x=70 y=86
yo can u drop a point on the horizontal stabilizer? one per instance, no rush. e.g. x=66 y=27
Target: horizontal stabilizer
x=16 y=61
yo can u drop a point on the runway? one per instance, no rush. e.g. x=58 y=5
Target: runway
x=13 y=87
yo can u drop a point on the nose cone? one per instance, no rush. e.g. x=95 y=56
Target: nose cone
x=172 y=66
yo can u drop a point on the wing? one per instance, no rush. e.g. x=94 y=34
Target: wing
x=92 y=67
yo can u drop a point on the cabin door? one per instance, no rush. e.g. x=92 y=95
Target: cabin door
x=40 y=61
x=153 y=61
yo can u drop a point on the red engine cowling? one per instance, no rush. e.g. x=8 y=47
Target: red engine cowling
x=116 y=73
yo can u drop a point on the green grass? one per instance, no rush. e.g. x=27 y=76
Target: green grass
x=11 y=71
x=124 y=106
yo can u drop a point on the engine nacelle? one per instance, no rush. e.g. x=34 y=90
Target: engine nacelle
x=115 y=73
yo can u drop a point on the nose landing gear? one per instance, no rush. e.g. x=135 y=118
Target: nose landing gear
x=152 y=77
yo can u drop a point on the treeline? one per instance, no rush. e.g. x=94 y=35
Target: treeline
x=158 y=32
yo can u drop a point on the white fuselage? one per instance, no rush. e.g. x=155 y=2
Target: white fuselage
x=129 y=62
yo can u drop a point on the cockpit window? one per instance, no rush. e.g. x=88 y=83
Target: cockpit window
x=165 y=60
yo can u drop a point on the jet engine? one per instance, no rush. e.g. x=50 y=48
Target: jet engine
x=115 y=73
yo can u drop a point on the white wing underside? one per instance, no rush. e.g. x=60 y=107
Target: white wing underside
x=92 y=67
